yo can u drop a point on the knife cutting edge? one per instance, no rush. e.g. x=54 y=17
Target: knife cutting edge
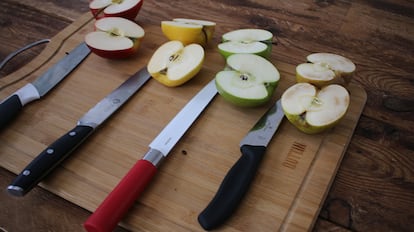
x=122 y=197
x=54 y=154
x=238 y=179
x=12 y=105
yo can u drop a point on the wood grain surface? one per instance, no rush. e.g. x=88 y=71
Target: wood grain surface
x=373 y=189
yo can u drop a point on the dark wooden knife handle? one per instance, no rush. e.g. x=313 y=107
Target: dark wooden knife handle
x=233 y=188
x=48 y=160
x=9 y=108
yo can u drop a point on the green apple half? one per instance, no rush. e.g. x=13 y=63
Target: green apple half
x=324 y=69
x=314 y=110
x=252 y=41
x=248 y=80
x=173 y=63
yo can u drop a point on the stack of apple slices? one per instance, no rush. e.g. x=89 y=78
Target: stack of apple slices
x=115 y=37
x=316 y=103
x=250 y=41
x=115 y=8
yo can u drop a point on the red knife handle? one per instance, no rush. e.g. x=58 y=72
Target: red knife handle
x=117 y=203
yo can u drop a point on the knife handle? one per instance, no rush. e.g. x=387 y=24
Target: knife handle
x=9 y=108
x=233 y=188
x=117 y=203
x=48 y=160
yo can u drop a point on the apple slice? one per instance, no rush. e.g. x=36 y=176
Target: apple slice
x=314 y=110
x=173 y=64
x=115 y=8
x=115 y=38
x=324 y=69
x=252 y=41
x=189 y=31
x=248 y=80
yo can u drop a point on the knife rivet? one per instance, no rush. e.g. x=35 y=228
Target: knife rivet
x=26 y=172
x=72 y=133
x=50 y=151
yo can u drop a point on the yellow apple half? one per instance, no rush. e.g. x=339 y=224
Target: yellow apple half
x=324 y=69
x=173 y=63
x=314 y=110
x=189 y=31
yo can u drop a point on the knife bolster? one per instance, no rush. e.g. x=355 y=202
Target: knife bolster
x=154 y=156
x=27 y=94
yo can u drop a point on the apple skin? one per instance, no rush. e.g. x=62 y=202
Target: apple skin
x=130 y=14
x=308 y=94
x=189 y=31
x=162 y=59
x=104 y=31
x=235 y=70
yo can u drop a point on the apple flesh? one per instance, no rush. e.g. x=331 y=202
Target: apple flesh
x=251 y=41
x=115 y=38
x=324 y=69
x=313 y=110
x=248 y=80
x=115 y=8
x=189 y=31
x=173 y=63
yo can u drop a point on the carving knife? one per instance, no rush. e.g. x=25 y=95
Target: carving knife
x=12 y=105
x=237 y=181
x=54 y=154
x=122 y=197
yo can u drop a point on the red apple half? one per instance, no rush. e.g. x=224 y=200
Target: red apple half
x=115 y=8
x=115 y=38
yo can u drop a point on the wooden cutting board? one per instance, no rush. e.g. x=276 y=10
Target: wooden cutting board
x=287 y=192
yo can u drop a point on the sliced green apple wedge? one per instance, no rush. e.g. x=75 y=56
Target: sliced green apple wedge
x=173 y=64
x=252 y=41
x=248 y=80
x=324 y=69
x=314 y=110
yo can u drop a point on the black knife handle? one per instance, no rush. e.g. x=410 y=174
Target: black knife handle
x=48 y=160
x=9 y=108
x=233 y=188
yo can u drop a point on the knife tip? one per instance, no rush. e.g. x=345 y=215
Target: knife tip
x=15 y=190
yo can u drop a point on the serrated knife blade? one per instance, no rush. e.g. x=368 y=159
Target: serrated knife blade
x=55 y=153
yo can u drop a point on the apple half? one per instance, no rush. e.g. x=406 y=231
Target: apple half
x=173 y=63
x=251 y=41
x=248 y=80
x=115 y=8
x=115 y=37
x=189 y=31
x=325 y=68
x=313 y=110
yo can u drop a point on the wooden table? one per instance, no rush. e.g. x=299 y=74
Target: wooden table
x=373 y=189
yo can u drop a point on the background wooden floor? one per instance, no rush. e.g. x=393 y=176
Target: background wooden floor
x=374 y=187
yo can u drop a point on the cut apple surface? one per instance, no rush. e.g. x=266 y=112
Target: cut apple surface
x=324 y=69
x=314 y=110
x=173 y=63
x=251 y=41
x=115 y=37
x=248 y=80
x=189 y=31
x=115 y=8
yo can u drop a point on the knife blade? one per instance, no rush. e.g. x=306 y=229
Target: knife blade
x=12 y=105
x=238 y=179
x=54 y=154
x=122 y=197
